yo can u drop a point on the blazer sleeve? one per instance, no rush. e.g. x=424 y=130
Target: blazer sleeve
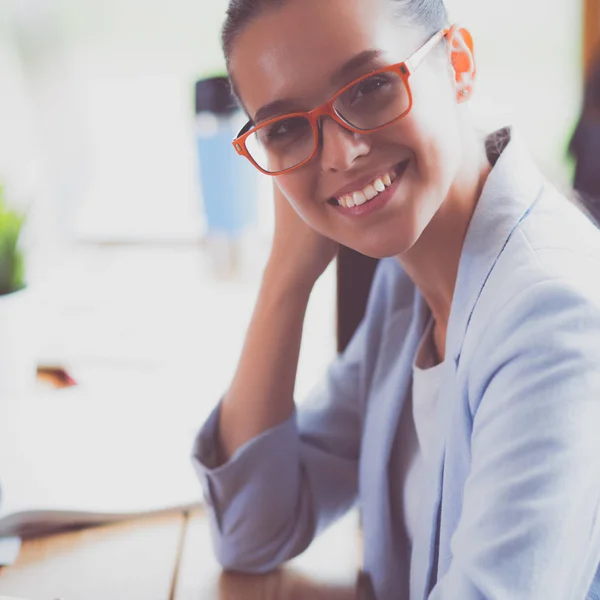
x=530 y=526
x=282 y=488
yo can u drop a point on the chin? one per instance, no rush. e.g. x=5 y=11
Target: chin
x=382 y=248
x=384 y=245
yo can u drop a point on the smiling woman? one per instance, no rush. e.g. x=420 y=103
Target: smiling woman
x=345 y=49
x=463 y=415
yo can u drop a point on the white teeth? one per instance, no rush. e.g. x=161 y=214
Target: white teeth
x=370 y=192
x=359 y=198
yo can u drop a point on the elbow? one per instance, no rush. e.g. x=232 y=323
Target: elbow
x=235 y=558
x=252 y=555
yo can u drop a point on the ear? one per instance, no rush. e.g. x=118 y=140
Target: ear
x=462 y=59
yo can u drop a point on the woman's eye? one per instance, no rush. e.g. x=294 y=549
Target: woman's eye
x=369 y=86
x=286 y=127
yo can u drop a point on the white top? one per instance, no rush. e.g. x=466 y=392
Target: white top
x=417 y=430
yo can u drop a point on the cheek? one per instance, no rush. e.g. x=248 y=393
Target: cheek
x=299 y=189
x=433 y=127
x=437 y=111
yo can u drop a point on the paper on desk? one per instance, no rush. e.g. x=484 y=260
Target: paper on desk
x=9 y=551
x=74 y=456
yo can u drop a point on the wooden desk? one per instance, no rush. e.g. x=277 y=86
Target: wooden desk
x=170 y=558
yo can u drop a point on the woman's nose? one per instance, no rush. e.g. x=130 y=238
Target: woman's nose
x=340 y=147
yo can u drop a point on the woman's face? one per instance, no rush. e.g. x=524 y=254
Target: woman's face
x=301 y=54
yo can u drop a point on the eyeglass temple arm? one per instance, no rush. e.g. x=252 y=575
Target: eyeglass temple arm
x=417 y=58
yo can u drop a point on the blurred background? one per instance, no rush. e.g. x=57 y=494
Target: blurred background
x=96 y=108
x=130 y=287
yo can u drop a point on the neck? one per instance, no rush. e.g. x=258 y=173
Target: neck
x=432 y=262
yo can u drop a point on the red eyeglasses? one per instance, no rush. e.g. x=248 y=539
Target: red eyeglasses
x=366 y=105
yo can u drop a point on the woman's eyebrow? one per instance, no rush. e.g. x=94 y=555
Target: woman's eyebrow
x=274 y=109
x=349 y=68
x=339 y=77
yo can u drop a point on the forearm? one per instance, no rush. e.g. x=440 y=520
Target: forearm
x=261 y=395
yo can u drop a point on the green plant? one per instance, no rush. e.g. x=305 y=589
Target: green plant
x=12 y=260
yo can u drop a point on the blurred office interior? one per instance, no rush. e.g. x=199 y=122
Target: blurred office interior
x=99 y=141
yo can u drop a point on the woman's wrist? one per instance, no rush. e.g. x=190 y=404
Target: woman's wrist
x=285 y=279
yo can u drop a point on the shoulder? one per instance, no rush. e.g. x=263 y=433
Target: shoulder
x=538 y=315
x=560 y=235
x=553 y=252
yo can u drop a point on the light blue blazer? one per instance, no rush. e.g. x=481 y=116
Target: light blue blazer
x=512 y=509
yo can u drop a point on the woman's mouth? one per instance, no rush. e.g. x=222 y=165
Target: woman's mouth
x=376 y=193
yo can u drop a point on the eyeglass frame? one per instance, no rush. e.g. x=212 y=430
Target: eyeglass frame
x=405 y=69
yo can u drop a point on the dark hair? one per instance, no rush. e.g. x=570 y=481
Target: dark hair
x=585 y=145
x=430 y=14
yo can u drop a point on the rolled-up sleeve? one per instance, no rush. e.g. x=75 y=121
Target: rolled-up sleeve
x=530 y=526
x=285 y=486
x=262 y=473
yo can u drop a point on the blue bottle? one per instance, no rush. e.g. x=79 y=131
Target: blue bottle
x=228 y=182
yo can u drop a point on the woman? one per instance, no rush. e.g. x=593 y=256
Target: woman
x=463 y=417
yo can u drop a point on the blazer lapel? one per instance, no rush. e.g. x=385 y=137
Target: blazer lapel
x=509 y=193
x=512 y=188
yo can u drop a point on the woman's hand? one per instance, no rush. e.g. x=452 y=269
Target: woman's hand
x=299 y=253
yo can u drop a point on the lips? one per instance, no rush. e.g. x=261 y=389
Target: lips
x=365 y=190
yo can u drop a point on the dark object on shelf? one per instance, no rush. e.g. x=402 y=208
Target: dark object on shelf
x=585 y=145
x=215 y=95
